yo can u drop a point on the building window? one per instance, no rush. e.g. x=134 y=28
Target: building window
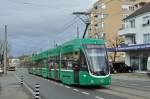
x=100 y=25
x=95 y=7
x=96 y=25
x=132 y=23
x=124 y=16
x=125 y=7
x=146 y=21
x=147 y=38
x=100 y=5
x=95 y=16
x=103 y=6
x=131 y=8
x=102 y=15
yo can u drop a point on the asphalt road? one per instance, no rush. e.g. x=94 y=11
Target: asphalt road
x=119 y=89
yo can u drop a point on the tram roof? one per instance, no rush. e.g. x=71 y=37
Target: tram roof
x=70 y=46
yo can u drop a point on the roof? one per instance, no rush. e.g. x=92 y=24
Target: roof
x=144 y=9
x=67 y=47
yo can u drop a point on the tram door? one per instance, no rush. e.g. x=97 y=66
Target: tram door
x=56 y=71
x=76 y=73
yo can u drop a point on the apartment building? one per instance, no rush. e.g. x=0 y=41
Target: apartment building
x=136 y=34
x=106 y=18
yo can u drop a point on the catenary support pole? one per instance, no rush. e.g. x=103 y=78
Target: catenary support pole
x=5 y=51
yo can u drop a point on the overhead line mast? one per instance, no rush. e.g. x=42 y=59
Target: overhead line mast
x=85 y=21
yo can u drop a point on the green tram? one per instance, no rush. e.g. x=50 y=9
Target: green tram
x=77 y=62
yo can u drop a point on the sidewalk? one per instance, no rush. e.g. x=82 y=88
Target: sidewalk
x=131 y=76
x=10 y=88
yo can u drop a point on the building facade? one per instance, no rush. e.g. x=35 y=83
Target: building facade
x=136 y=33
x=106 y=18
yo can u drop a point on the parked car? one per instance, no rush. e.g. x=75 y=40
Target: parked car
x=148 y=66
x=120 y=67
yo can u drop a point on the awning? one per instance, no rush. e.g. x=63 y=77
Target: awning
x=125 y=48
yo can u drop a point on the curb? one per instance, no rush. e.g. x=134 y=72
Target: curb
x=31 y=91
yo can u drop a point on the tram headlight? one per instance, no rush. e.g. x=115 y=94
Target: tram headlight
x=92 y=81
x=84 y=76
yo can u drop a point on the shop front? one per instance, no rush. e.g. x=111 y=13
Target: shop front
x=135 y=55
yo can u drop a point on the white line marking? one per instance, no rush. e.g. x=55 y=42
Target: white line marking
x=97 y=97
x=121 y=82
x=61 y=84
x=67 y=86
x=75 y=89
x=147 y=86
x=85 y=93
x=133 y=84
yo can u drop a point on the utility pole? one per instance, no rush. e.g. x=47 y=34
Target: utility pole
x=5 y=51
x=77 y=32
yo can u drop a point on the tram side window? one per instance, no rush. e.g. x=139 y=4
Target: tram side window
x=38 y=64
x=82 y=62
x=51 y=62
x=45 y=62
x=66 y=61
x=56 y=63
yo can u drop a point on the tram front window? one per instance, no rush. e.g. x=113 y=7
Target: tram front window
x=96 y=55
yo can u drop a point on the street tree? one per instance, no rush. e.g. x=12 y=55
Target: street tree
x=115 y=43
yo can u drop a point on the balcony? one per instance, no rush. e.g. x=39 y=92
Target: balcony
x=126 y=31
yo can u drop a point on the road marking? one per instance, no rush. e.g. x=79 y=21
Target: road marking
x=61 y=84
x=67 y=86
x=133 y=84
x=85 y=93
x=56 y=83
x=122 y=82
x=147 y=86
x=76 y=90
x=97 y=97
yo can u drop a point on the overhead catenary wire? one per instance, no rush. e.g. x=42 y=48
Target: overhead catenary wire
x=60 y=36
x=69 y=25
x=39 y=5
x=66 y=28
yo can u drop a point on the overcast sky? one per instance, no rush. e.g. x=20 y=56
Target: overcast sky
x=33 y=25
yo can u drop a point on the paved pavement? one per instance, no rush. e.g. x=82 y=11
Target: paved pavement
x=10 y=88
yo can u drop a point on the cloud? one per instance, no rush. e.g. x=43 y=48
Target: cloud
x=35 y=24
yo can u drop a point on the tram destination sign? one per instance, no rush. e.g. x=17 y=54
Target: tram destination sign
x=89 y=46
